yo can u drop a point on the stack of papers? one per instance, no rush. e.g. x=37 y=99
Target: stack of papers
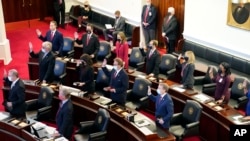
x=202 y=98
x=179 y=89
x=142 y=123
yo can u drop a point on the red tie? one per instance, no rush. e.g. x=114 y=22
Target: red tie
x=150 y=54
x=115 y=74
x=146 y=14
x=51 y=36
x=168 y=20
x=88 y=37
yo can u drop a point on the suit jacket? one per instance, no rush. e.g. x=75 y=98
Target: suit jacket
x=120 y=26
x=169 y=27
x=164 y=108
x=57 y=6
x=188 y=75
x=152 y=62
x=46 y=65
x=17 y=97
x=57 y=40
x=93 y=45
x=64 y=119
x=87 y=76
x=119 y=83
x=122 y=52
x=151 y=18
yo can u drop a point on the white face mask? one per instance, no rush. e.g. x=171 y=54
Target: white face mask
x=43 y=50
x=115 y=67
x=158 y=91
x=10 y=79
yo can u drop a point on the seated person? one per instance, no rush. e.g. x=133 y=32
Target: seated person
x=46 y=61
x=222 y=80
x=247 y=92
x=84 y=14
x=15 y=103
x=118 y=26
x=164 y=105
x=118 y=81
x=86 y=73
x=153 y=58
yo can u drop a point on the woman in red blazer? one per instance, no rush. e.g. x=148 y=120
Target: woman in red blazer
x=122 y=48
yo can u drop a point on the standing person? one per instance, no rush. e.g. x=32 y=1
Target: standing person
x=164 y=106
x=121 y=48
x=222 y=80
x=53 y=36
x=84 y=15
x=118 y=26
x=118 y=81
x=247 y=92
x=148 y=18
x=46 y=61
x=169 y=30
x=89 y=41
x=64 y=116
x=153 y=58
x=15 y=103
x=59 y=15
x=187 y=70
x=86 y=73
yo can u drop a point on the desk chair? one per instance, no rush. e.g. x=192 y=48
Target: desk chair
x=104 y=51
x=238 y=98
x=68 y=47
x=101 y=81
x=136 y=59
x=59 y=71
x=94 y=130
x=204 y=84
x=167 y=66
x=41 y=108
x=186 y=123
x=137 y=97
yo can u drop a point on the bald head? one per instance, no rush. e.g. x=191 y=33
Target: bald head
x=171 y=10
x=47 y=46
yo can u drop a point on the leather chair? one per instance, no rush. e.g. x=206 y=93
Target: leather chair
x=137 y=97
x=167 y=66
x=186 y=123
x=74 y=12
x=204 y=84
x=68 y=47
x=59 y=71
x=104 y=51
x=238 y=98
x=136 y=59
x=94 y=130
x=101 y=81
x=41 y=108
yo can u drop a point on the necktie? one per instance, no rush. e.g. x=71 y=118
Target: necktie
x=150 y=54
x=182 y=70
x=167 y=21
x=146 y=14
x=88 y=37
x=60 y=1
x=12 y=85
x=115 y=74
x=51 y=36
x=60 y=106
x=160 y=100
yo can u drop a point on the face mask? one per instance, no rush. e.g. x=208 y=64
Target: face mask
x=88 y=31
x=168 y=14
x=10 y=79
x=117 y=17
x=150 y=47
x=158 y=91
x=119 y=40
x=219 y=71
x=115 y=67
x=43 y=50
x=85 y=5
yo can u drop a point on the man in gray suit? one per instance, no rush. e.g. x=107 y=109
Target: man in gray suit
x=119 y=25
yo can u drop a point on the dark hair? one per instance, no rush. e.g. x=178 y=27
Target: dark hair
x=54 y=22
x=226 y=67
x=87 y=59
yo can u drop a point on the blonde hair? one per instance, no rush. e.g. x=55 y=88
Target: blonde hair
x=47 y=44
x=191 y=57
x=123 y=36
x=154 y=42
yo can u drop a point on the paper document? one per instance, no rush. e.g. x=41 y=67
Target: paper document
x=142 y=123
x=108 y=26
x=146 y=131
x=3 y=116
x=179 y=89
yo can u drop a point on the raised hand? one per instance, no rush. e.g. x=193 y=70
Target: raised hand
x=104 y=63
x=5 y=73
x=30 y=46
x=38 y=32
x=149 y=90
x=76 y=35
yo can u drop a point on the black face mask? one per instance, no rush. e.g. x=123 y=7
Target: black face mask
x=85 y=5
x=119 y=40
x=88 y=31
x=168 y=14
x=185 y=58
x=219 y=71
x=150 y=47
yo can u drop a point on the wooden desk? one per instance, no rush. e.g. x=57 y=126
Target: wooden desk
x=86 y=109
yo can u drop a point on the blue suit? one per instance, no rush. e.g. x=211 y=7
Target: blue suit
x=119 y=83
x=57 y=40
x=64 y=119
x=164 y=109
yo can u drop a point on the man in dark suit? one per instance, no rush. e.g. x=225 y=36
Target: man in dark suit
x=53 y=36
x=46 y=62
x=169 y=30
x=64 y=116
x=153 y=58
x=148 y=18
x=164 y=106
x=15 y=103
x=118 y=81
x=59 y=7
x=89 y=41
x=118 y=26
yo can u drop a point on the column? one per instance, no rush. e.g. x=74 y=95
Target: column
x=5 y=53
